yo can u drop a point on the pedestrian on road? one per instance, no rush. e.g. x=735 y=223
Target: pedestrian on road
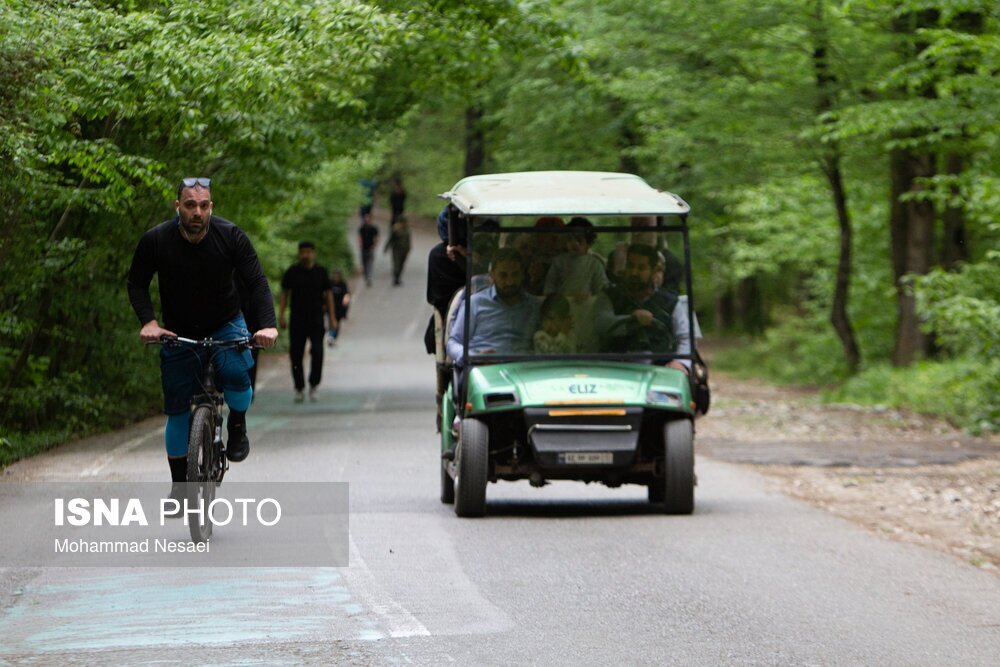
x=445 y=276
x=399 y=243
x=309 y=287
x=195 y=256
x=341 y=301
x=397 y=199
x=368 y=241
x=368 y=194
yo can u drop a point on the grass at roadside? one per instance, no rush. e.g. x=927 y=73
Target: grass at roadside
x=14 y=446
x=963 y=391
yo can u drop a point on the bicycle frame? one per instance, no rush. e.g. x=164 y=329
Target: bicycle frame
x=206 y=463
x=211 y=397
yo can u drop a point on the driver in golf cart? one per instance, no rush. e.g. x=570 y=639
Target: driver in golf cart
x=635 y=315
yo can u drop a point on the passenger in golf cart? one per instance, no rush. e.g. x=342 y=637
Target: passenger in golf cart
x=633 y=315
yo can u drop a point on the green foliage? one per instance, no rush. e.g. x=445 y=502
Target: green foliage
x=104 y=106
x=963 y=309
x=285 y=105
x=797 y=350
x=428 y=154
x=963 y=391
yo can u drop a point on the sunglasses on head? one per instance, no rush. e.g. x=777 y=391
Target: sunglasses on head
x=192 y=182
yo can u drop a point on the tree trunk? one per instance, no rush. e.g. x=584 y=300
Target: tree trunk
x=838 y=314
x=911 y=221
x=724 y=311
x=830 y=162
x=475 y=143
x=913 y=242
x=954 y=250
x=627 y=140
x=750 y=305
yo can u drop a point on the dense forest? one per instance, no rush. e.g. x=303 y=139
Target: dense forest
x=841 y=159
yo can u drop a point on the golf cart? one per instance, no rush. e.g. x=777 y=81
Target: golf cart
x=568 y=341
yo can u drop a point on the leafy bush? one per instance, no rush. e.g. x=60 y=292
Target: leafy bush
x=963 y=309
x=963 y=391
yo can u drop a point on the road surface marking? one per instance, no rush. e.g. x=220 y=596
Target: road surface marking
x=101 y=463
x=398 y=621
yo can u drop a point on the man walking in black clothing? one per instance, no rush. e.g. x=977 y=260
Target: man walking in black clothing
x=367 y=241
x=309 y=286
x=397 y=200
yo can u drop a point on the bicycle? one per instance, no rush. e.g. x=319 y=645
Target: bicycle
x=206 y=455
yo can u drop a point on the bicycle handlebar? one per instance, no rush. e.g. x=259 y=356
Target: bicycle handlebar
x=177 y=341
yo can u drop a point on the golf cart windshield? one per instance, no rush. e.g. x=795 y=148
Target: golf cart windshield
x=547 y=287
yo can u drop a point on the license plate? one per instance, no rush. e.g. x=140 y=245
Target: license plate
x=586 y=458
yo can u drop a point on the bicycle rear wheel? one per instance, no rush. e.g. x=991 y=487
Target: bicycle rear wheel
x=200 y=465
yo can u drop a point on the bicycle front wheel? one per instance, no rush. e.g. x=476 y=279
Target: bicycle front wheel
x=200 y=464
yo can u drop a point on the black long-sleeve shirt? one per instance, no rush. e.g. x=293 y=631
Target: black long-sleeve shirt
x=197 y=292
x=444 y=278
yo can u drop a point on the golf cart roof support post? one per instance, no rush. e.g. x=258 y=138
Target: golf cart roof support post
x=467 y=306
x=688 y=285
x=452 y=221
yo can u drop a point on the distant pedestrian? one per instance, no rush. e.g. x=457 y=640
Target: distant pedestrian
x=397 y=199
x=367 y=241
x=399 y=243
x=341 y=301
x=309 y=287
x=368 y=186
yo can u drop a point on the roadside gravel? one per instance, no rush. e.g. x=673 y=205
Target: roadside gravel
x=907 y=477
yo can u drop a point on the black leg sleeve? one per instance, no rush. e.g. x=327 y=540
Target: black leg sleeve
x=315 y=356
x=296 y=350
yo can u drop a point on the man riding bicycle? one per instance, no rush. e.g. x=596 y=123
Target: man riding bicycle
x=196 y=254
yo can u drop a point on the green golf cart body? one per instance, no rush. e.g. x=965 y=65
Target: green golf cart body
x=596 y=415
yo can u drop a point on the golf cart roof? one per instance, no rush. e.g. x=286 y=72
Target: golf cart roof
x=539 y=193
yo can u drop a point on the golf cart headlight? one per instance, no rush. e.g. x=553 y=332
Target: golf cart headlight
x=664 y=398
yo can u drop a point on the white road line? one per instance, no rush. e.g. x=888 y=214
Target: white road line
x=397 y=620
x=128 y=446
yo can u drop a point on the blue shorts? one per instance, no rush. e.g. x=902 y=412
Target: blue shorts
x=181 y=368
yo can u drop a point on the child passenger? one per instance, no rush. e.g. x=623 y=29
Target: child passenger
x=579 y=275
x=556 y=333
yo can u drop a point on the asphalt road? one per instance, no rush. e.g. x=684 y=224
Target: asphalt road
x=568 y=574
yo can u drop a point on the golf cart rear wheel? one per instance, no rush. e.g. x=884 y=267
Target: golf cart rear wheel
x=447 y=485
x=472 y=463
x=678 y=478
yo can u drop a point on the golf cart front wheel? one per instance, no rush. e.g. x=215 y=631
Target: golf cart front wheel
x=678 y=478
x=471 y=468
